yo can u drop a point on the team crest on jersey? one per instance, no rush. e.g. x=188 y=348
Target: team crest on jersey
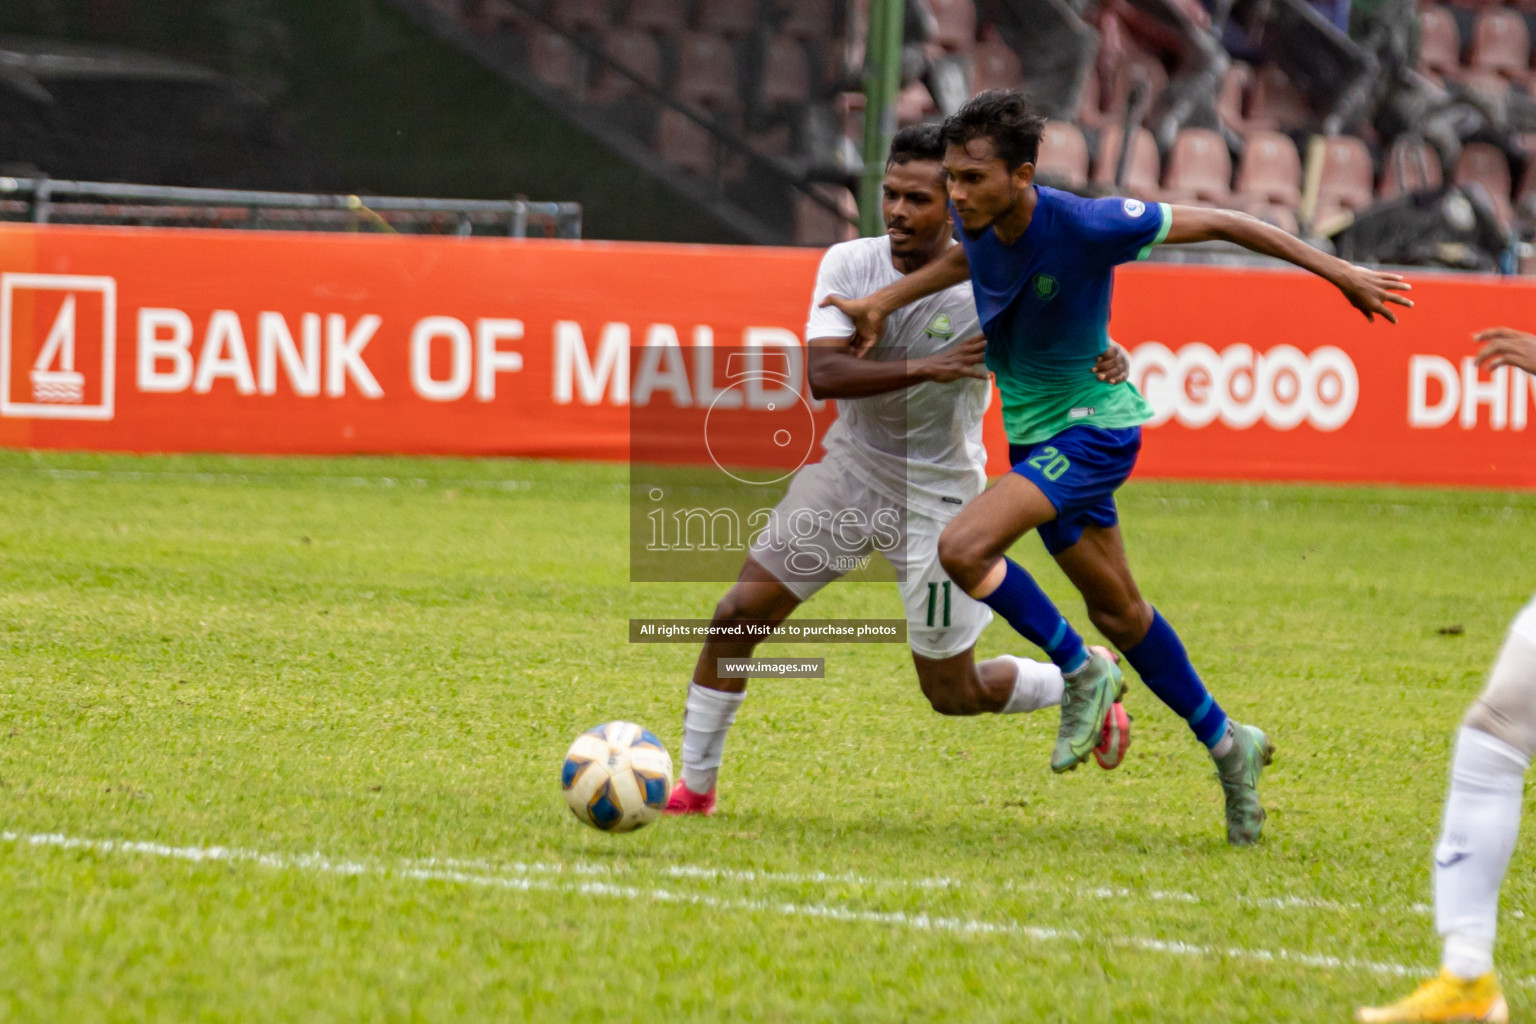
x=1135 y=207
x=1046 y=286
x=941 y=326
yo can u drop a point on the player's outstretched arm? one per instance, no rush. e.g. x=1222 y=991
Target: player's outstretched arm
x=1372 y=292
x=835 y=370
x=1505 y=346
x=868 y=314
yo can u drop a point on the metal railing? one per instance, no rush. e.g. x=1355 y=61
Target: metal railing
x=48 y=200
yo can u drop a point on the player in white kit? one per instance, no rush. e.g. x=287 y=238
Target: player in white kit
x=904 y=455
x=1482 y=810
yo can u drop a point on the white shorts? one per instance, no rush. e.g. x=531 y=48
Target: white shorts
x=829 y=523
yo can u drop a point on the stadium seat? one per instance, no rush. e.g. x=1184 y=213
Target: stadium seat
x=997 y=66
x=1411 y=165
x=582 y=15
x=914 y=105
x=786 y=78
x=1232 y=99
x=683 y=143
x=734 y=19
x=706 y=72
x=1063 y=159
x=816 y=225
x=1501 y=43
x=1440 y=43
x=957 y=24
x=1199 y=168
x=1270 y=172
x=1089 y=115
x=1144 y=170
x=664 y=17
x=806 y=20
x=1485 y=164
x=553 y=60
x=1348 y=178
x=1275 y=104
x=1122 y=83
x=1484 y=81
x=632 y=49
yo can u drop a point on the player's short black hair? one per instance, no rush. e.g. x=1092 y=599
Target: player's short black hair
x=917 y=142
x=1004 y=116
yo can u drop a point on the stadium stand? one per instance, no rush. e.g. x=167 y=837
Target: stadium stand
x=1199 y=169
x=996 y=65
x=1411 y=165
x=1348 y=178
x=1501 y=44
x=1486 y=165
x=1270 y=173
x=105 y=114
x=815 y=225
x=770 y=80
x=752 y=108
x=1144 y=167
x=1063 y=156
x=1440 y=43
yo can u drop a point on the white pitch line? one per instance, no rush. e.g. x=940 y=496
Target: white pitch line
x=419 y=871
x=700 y=872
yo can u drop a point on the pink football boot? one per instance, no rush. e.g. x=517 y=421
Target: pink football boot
x=685 y=801
x=1117 y=738
x=1117 y=728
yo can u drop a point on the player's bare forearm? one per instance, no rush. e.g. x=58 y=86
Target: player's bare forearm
x=1194 y=224
x=947 y=270
x=869 y=312
x=1372 y=292
x=836 y=371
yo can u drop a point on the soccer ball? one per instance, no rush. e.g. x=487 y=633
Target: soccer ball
x=617 y=777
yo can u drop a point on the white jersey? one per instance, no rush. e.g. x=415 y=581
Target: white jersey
x=922 y=445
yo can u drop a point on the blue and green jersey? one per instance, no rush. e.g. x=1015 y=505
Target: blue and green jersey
x=1044 y=307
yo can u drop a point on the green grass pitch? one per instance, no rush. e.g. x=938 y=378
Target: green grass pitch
x=280 y=741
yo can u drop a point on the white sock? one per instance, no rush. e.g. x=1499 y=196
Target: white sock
x=707 y=718
x=1037 y=685
x=1482 y=822
x=1224 y=745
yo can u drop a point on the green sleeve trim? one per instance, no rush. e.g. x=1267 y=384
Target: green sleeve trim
x=1162 y=232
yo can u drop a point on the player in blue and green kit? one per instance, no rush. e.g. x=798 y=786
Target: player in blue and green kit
x=1041 y=264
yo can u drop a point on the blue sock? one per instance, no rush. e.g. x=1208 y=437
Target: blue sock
x=1163 y=664
x=1028 y=610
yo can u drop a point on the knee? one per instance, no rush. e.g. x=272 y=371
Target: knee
x=1503 y=723
x=963 y=559
x=1506 y=709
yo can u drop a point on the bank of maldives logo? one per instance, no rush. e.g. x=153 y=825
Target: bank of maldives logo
x=57 y=346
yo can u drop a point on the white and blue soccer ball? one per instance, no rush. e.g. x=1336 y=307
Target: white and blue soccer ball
x=617 y=777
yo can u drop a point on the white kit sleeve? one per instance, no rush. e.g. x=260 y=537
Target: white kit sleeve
x=832 y=278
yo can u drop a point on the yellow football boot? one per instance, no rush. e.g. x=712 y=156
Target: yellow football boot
x=1446 y=998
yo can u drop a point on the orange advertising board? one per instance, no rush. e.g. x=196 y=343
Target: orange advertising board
x=178 y=341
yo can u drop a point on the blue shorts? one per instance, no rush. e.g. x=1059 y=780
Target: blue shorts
x=1079 y=470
